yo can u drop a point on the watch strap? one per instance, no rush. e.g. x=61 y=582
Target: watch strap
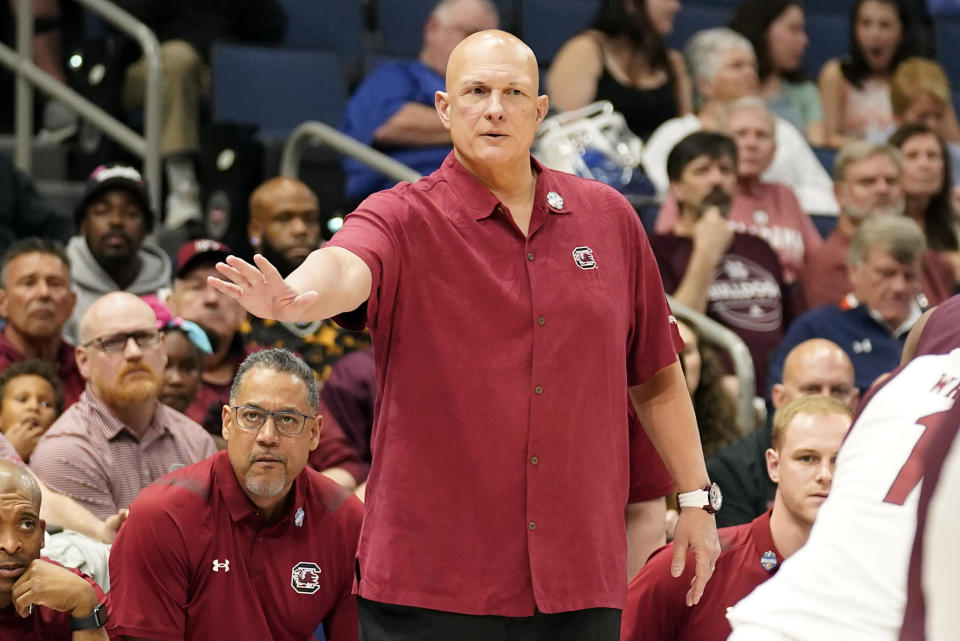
x=96 y=619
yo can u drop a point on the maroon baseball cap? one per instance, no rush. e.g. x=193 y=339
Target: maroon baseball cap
x=203 y=249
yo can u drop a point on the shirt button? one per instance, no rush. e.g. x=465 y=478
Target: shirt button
x=538 y=390
x=529 y=255
x=532 y=525
x=534 y=460
x=541 y=320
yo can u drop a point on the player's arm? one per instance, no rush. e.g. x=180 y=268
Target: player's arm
x=59 y=589
x=414 y=125
x=330 y=281
x=664 y=408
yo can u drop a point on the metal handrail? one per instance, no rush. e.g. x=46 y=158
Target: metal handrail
x=20 y=61
x=315 y=132
x=722 y=337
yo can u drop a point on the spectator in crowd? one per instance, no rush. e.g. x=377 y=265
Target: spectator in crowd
x=734 y=278
x=31 y=398
x=871 y=322
x=36 y=301
x=279 y=533
x=866 y=529
x=724 y=69
x=765 y=209
x=868 y=183
x=351 y=393
x=715 y=408
x=920 y=93
x=186 y=344
x=855 y=89
x=285 y=227
x=927 y=188
x=441 y=247
x=807 y=434
x=39 y=598
x=187 y=30
x=117 y=438
x=392 y=109
x=195 y=300
x=775 y=28
x=23 y=212
x=815 y=366
x=111 y=253
x=623 y=58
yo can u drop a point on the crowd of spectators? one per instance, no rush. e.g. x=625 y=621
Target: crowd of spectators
x=120 y=363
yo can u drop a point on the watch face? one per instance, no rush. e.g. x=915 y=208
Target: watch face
x=715 y=497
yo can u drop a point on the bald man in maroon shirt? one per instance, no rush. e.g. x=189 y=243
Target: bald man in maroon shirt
x=511 y=306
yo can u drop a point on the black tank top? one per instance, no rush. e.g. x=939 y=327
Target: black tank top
x=643 y=109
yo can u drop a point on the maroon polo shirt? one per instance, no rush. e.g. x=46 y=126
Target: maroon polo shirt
x=46 y=624
x=500 y=444
x=196 y=560
x=70 y=378
x=656 y=602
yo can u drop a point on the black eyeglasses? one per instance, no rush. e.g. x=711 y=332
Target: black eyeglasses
x=118 y=342
x=253 y=418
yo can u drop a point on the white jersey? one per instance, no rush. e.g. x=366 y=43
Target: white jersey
x=849 y=581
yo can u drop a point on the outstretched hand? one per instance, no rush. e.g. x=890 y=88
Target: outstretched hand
x=262 y=292
x=696 y=531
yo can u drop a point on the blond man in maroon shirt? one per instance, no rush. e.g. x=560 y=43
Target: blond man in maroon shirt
x=511 y=305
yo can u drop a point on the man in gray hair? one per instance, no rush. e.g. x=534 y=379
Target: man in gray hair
x=867 y=183
x=252 y=525
x=724 y=68
x=871 y=323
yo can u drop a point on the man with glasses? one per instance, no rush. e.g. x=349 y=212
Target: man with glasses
x=118 y=437
x=252 y=527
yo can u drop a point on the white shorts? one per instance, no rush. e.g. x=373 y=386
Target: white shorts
x=756 y=633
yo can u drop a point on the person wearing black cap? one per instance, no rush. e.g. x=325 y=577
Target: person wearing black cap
x=109 y=252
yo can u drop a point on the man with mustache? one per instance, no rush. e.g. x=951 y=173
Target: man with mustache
x=285 y=227
x=117 y=438
x=36 y=300
x=39 y=599
x=734 y=278
x=252 y=525
x=110 y=252
x=867 y=183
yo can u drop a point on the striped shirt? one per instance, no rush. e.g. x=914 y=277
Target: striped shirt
x=93 y=457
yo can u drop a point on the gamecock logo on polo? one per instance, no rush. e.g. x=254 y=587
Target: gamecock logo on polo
x=305 y=577
x=584 y=258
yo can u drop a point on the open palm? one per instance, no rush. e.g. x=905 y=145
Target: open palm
x=261 y=290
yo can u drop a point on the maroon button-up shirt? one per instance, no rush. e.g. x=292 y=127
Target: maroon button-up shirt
x=500 y=443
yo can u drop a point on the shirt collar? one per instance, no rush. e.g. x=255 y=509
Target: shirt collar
x=763 y=538
x=112 y=426
x=239 y=506
x=478 y=202
x=850 y=301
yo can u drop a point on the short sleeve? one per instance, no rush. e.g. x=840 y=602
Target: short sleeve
x=810 y=104
x=377 y=99
x=149 y=572
x=656 y=601
x=370 y=233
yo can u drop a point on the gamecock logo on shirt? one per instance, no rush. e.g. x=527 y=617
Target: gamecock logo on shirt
x=305 y=577
x=584 y=258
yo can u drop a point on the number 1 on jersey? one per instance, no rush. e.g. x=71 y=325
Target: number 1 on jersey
x=912 y=471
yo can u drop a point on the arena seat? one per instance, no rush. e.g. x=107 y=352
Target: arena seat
x=841 y=7
x=276 y=89
x=829 y=38
x=948 y=34
x=547 y=24
x=324 y=24
x=401 y=25
x=697 y=17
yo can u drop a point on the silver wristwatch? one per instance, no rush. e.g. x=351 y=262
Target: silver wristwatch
x=708 y=498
